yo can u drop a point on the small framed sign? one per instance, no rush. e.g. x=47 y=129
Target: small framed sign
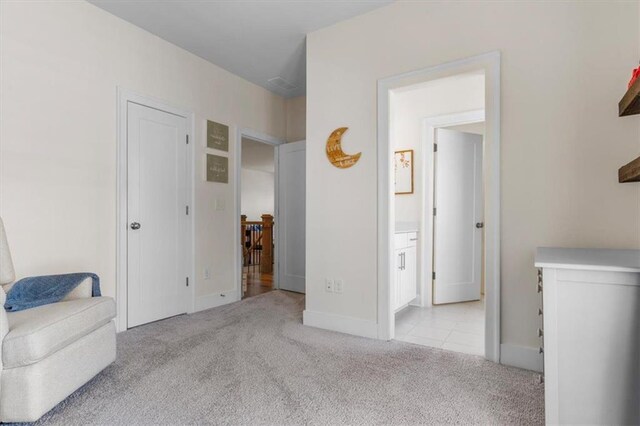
x=217 y=169
x=217 y=136
x=403 y=165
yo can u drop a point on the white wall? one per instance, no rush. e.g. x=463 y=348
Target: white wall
x=258 y=193
x=257 y=179
x=475 y=128
x=61 y=64
x=257 y=155
x=296 y=118
x=408 y=108
x=565 y=66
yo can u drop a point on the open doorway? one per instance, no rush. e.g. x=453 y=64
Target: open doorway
x=431 y=128
x=270 y=206
x=257 y=224
x=439 y=233
x=448 y=311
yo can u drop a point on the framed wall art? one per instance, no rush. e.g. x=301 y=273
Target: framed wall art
x=403 y=165
x=217 y=136
x=217 y=169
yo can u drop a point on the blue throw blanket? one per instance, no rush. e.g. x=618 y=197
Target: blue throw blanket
x=37 y=291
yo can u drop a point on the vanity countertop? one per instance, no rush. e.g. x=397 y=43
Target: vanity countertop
x=612 y=260
x=403 y=227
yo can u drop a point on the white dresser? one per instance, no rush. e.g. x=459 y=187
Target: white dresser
x=406 y=269
x=591 y=335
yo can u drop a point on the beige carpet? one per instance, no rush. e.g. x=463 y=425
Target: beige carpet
x=253 y=362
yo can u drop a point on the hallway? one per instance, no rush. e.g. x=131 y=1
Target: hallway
x=257 y=282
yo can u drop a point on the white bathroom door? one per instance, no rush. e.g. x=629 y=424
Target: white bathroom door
x=458 y=219
x=291 y=216
x=157 y=217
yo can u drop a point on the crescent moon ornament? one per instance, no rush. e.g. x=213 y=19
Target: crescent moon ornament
x=335 y=154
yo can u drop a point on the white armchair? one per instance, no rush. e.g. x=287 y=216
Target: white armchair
x=50 y=351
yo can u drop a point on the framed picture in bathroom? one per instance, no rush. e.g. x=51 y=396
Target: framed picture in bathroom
x=403 y=165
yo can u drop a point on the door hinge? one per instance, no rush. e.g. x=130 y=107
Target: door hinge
x=187 y=280
x=187 y=208
x=435 y=147
x=433 y=275
x=434 y=211
x=187 y=139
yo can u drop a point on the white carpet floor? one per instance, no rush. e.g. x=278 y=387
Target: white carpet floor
x=253 y=362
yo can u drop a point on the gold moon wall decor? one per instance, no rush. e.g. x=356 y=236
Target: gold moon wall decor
x=335 y=154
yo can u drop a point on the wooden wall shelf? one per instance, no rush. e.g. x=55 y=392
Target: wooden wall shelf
x=630 y=102
x=630 y=172
x=630 y=105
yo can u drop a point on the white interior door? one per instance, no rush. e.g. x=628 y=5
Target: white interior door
x=157 y=217
x=291 y=216
x=458 y=220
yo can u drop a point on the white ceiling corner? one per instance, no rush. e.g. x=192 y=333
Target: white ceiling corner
x=258 y=40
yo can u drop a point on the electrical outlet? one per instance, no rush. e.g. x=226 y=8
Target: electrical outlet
x=328 y=285
x=219 y=204
x=338 y=286
x=207 y=273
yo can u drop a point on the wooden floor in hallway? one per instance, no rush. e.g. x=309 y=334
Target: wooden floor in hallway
x=257 y=283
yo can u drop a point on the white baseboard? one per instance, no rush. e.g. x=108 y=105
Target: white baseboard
x=521 y=357
x=216 y=299
x=339 y=323
x=201 y=303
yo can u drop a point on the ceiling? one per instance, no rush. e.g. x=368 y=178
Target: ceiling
x=259 y=40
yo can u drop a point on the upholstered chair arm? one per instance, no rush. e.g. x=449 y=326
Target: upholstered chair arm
x=4 y=321
x=83 y=291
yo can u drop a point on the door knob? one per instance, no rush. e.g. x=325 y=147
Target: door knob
x=480 y=225
x=135 y=225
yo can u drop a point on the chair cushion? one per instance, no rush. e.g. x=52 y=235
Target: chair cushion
x=36 y=333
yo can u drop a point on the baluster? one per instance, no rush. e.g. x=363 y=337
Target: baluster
x=266 y=264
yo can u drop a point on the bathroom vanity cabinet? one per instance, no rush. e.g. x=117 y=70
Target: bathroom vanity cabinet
x=406 y=256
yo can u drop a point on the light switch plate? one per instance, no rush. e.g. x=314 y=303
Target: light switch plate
x=338 y=286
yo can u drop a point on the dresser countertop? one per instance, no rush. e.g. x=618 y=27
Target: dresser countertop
x=611 y=260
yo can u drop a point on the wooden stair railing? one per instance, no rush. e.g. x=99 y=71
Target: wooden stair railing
x=256 y=238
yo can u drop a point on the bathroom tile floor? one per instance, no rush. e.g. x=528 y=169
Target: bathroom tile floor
x=456 y=327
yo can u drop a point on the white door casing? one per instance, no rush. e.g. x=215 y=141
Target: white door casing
x=157 y=200
x=457 y=228
x=290 y=224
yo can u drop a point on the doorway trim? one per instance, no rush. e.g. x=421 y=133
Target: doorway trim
x=429 y=127
x=124 y=96
x=490 y=63
x=275 y=142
